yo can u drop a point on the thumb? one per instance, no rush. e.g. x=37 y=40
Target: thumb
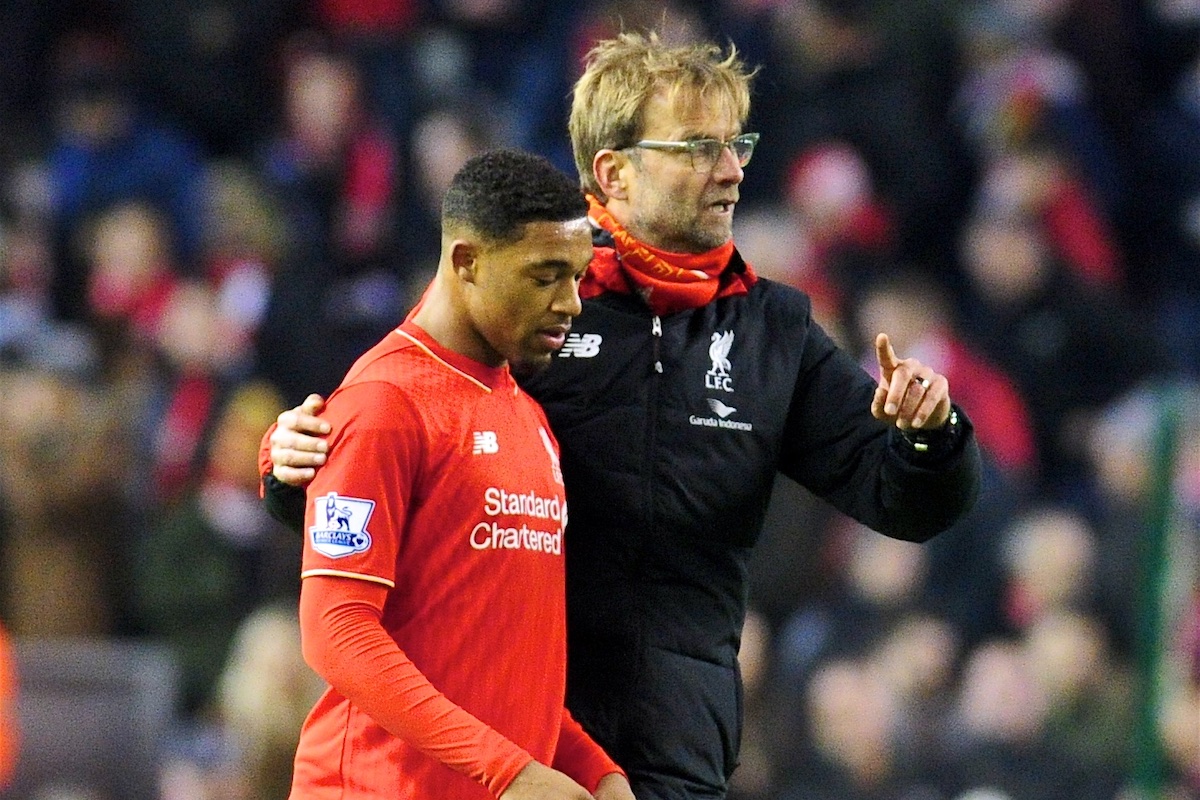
x=313 y=404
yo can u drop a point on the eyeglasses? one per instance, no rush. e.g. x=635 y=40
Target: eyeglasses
x=705 y=153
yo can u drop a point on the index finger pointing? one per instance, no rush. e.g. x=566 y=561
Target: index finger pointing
x=884 y=353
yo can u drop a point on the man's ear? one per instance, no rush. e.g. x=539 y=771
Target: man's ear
x=464 y=256
x=607 y=168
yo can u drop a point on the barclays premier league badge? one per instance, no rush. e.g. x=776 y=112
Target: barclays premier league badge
x=341 y=525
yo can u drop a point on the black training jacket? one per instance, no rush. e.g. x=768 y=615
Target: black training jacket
x=672 y=430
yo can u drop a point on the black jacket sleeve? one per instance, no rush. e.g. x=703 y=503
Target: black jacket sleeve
x=284 y=502
x=866 y=468
x=944 y=482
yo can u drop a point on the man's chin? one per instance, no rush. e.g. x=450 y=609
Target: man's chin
x=708 y=238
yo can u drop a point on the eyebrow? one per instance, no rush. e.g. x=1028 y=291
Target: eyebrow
x=557 y=265
x=691 y=135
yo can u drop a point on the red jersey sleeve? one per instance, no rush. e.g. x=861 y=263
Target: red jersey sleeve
x=580 y=757
x=378 y=444
x=345 y=643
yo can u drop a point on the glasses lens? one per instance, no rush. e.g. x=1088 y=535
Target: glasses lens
x=705 y=153
x=743 y=147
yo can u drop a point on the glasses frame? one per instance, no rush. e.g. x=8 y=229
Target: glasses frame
x=692 y=146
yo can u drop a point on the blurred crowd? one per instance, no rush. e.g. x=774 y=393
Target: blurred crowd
x=208 y=208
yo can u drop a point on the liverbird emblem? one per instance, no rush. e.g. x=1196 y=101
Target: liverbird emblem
x=718 y=376
x=718 y=351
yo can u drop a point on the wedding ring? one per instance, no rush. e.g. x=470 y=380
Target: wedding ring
x=924 y=383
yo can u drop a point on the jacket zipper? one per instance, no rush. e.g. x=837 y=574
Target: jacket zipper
x=656 y=331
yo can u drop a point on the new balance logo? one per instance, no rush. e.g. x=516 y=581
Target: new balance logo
x=580 y=345
x=485 y=442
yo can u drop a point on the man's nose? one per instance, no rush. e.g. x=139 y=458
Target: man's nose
x=727 y=168
x=566 y=299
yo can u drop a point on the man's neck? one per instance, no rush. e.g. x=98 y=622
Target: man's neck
x=443 y=316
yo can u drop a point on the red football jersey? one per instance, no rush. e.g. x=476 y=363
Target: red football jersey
x=443 y=485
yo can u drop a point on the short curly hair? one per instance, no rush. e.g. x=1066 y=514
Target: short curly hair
x=497 y=192
x=624 y=72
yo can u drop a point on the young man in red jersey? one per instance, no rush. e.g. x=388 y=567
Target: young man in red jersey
x=432 y=598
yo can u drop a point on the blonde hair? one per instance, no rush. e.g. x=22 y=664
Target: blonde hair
x=623 y=73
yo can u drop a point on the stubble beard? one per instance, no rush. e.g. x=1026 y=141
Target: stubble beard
x=531 y=360
x=685 y=233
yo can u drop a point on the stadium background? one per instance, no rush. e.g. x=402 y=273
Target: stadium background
x=209 y=207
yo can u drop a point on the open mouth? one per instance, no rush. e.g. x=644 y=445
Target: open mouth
x=554 y=336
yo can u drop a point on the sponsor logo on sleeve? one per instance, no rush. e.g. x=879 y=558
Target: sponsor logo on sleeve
x=341 y=525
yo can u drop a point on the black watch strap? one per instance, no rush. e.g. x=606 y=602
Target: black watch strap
x=937 y=442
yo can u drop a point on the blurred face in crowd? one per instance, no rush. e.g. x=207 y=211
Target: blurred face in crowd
x=443 y=141
x=322 y=98
x=92 y=115
x=1050 y=559
x=829 y=184
x=129 y=253
x=669 y=200
x=1006 y=258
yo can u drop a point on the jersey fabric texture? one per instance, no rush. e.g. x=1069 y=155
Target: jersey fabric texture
x=443 y=486
x=672 y=431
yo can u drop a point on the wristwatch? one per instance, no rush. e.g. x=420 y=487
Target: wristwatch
x=936 y=442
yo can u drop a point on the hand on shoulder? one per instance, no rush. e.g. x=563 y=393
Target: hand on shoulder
x=298 y=446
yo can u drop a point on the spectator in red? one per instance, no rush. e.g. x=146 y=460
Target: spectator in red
x=379 y=35
x=335 y=166
x=847 y=233
x=127 y=250
x=332 y=154
x=368 y=17
x=107 y=148
x=1040 y=181
x=1048 y=330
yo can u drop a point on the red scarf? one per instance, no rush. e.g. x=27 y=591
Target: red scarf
x=668 y=282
